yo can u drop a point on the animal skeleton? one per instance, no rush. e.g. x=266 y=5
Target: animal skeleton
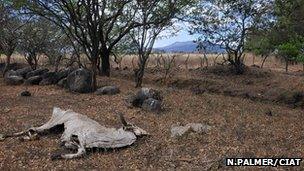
x=81 y=133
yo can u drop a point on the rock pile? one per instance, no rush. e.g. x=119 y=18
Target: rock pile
x=146 y=98
x=75 y=80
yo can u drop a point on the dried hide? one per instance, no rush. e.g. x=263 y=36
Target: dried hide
x=81 y=133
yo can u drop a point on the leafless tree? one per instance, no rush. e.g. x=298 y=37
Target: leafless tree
x=186 y=62
x=203 y=50
x=34 y=40
x=155 y=16
x=168 y=65
x=118 y=60
x=58 y=47
x=217 y=56
x=9 y=32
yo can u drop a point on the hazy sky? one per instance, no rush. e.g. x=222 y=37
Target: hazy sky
x=181 y=36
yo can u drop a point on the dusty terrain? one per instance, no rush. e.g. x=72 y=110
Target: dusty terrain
x=256 y=124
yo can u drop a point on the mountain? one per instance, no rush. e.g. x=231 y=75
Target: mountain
x=189 y=47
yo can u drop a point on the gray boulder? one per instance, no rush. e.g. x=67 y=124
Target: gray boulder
x=64 y=73
x=62 y=83
x=13 y=80
x=108 y=90
x=152 y=105
x=49 y=78
x=146 y=93
x=35 y=80
x=143 y=94
x=131 y=101
x=25 y=94
x=80 y=81
x=23 y=71
x=10 y=73
x=48 y=75
x=37 y=72
x=46 y=81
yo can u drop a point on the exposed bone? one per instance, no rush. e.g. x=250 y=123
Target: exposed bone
x=81 y=132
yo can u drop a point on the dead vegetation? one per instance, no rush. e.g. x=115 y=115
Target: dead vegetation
x=257 y=114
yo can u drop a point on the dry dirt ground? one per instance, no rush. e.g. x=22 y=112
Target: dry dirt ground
x=241 y=127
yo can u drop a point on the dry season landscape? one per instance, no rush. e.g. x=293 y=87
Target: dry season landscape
x=256 y=116
x=151 y=85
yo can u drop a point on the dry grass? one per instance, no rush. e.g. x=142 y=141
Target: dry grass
x=240 y=126
x=194 y=61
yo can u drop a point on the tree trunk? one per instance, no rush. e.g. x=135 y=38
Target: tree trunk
x=105 y=64
x=238 y=64
x=264 y=60
x=57 y=63
x=35 y=62
x=139 y=74
x=239 y=68
x=94 y=68
x=99 y=65
x=206 y=60
x=201 y=63
x=286 y=65
x=31 y=60
x=94 y=71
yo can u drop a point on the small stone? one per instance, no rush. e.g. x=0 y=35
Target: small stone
x=25 y=94
x=2 y=137
x=143 y=94
x=6 y=110
x=108 y=90
x=151 y=105
x=269 y=113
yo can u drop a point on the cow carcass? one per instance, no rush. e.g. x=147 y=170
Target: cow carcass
x=81 y=133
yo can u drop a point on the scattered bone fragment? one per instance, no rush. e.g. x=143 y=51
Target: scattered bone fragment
x=178 y=131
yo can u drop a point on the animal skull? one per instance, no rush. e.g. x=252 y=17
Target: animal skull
x=81 y=133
